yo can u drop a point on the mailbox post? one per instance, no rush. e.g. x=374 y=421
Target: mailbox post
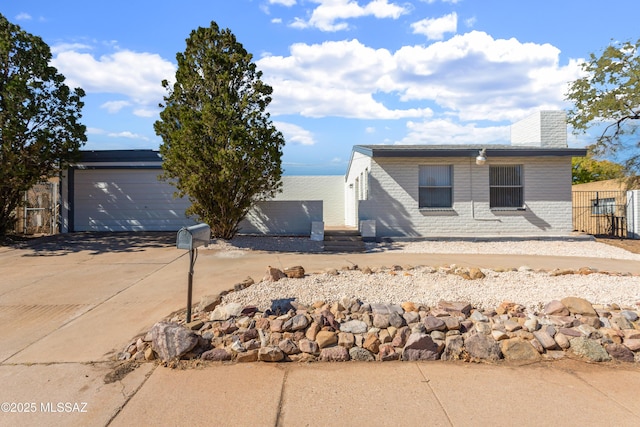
x=190 y=238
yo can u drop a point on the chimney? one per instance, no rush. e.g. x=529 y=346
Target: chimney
x=541 y=129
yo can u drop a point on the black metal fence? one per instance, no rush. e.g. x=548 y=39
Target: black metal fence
x=600 y=212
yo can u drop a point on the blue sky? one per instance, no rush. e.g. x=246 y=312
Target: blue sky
x=344 y=72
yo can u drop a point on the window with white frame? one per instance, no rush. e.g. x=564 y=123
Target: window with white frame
x=505 y=187
x=435 y=189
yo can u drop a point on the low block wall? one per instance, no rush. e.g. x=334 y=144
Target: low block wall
x=282 y=218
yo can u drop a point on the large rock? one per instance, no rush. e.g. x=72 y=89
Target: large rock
x=401 y=336
x=172 y=341
x=577 y=305
x=433 y=323
x=273 y=275
x=545 y=339
x=354 y=327
x=334 y=354
x=296 y=323
x=361 y=354
x=619 y=352
x=309 y=346
x=483 y=347
x=381 y=320
x=270 y=354
x=387 y=353
x=217 y=355
x=288 y=346
x=372 y=343
x=326 y=339
x=517 y=349
x=226 y=311
x=421 y=347
x=209 y=302
x=556 y=308
x=454 y=349
x=296 y=272
x=455 y=307
x=589 y=349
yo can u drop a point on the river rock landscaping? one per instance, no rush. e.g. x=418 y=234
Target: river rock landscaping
x=248 y=324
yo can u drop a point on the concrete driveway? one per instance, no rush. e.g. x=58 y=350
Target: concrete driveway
x=68 y=304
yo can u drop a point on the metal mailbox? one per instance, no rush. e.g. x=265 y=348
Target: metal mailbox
x=192 y=237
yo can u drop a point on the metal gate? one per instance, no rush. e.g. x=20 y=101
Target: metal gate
x=38 y=213
x=600 y=212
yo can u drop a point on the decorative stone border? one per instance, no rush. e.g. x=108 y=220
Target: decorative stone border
x=354 y=330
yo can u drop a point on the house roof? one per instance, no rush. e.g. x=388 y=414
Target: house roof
x=465 y=151
x=119 y=156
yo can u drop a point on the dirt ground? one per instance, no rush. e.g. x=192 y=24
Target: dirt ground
x=632 y=245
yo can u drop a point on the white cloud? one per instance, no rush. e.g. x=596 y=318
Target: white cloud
x=115 y=106
x=470 y=22
x=135 y=75
x=436 y=28
x=471 y=76
x=445 y=131
x=479 y=78
x=23 y=17
x=333 y=79
x=129 y=135
x=64 y=47
x=295 y=134
x=287 y=3
x=145 y=112
x=276 y=21
x=95 y=131
x=324 y=16
x=370 y=129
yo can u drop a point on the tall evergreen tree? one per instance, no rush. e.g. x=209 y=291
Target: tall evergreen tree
x=220 y=148
x=40 y=130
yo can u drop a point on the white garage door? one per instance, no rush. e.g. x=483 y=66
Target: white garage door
x=125 y=200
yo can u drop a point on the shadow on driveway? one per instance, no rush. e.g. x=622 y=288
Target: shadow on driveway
x=95 y=243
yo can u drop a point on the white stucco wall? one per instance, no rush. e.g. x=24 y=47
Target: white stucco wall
x=326 y=188
x=393 y=199
x=633 y=214
x=285 y=218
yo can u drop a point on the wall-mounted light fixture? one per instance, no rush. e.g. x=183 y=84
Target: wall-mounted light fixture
x=482 y=157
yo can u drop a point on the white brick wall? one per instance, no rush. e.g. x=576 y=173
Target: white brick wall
x=541 y=129
x=393 y=200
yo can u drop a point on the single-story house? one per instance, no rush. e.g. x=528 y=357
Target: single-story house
x=389 y=191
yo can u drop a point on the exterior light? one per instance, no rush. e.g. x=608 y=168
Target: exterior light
x=482 y=157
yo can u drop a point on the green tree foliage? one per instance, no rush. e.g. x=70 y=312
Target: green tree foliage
x=608 y=96
x=588 y=169
x=219 y=146
x=40 y=132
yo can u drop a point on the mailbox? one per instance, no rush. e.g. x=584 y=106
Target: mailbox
x=191 y=237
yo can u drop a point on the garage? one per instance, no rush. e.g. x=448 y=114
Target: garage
x=120 y=191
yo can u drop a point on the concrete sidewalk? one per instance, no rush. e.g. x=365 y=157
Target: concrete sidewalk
x=69 y=304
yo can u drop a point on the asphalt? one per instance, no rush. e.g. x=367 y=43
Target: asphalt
x=68 y=304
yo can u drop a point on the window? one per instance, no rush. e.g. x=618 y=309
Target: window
x=505 y=187
x=434 y=184
x=606 y=206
